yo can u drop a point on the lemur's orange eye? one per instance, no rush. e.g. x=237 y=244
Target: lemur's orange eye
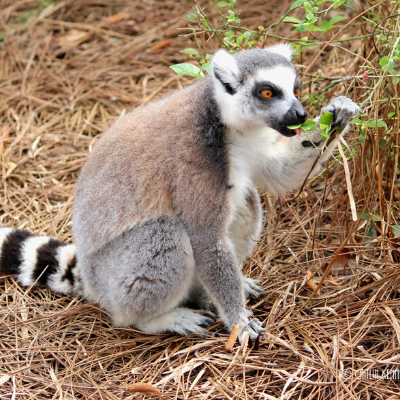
x=296 y=92
x=266 y=93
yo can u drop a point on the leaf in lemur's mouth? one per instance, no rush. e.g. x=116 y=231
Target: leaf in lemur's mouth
x=307 y=126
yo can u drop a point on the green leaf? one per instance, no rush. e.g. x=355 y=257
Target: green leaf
x=379 y=124
x=229 y=34
x=326 y=118
x=223 y=4
x=310 y=21
x=326 y=26
x=191 y=15
x=187 y=69
x=371 y=234
x=189 y=51
x=370 y=124
x=339 y=3
x=206 y=67
x=292 y=19
x=337 y=19
x=307 y=6
x=392 y=64
x=366 y=215
x=396 y=230
x=294 y=126
x=297 y=3
x=384 y=62
x=309 y=16
x=308 y=125
x=357 y=121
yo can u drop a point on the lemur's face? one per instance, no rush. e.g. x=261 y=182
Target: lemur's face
x=271 y=98
x=259 y=88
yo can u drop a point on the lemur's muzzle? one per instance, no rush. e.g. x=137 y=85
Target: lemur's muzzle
x=296 y=115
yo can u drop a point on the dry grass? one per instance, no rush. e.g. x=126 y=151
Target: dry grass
x=66 y=73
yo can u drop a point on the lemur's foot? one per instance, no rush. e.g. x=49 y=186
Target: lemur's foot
x=180 y=320
x=343 y=110
x=192 y=321
x=251 y=287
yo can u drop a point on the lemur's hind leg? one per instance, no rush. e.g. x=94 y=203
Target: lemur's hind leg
x=143 y=276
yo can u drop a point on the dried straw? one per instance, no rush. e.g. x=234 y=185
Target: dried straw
x=71 y=68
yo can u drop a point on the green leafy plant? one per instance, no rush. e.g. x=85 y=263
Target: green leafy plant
x=230 y=33
x=390 y=62
x=235 y=37
x=313 y=14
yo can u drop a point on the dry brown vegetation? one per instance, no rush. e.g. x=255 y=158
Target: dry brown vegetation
x=67 y=70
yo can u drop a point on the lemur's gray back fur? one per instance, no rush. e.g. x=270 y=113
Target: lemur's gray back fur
x=166 y=207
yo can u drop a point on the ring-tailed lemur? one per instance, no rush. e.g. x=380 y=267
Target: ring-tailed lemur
x=166 y=207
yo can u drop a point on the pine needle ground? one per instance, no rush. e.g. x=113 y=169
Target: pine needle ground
x=69 y=69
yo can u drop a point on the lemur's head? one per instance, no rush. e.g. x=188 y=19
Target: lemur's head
x=258 y=87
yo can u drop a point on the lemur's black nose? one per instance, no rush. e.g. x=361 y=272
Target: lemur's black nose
x=301 y=115
x=296 y=114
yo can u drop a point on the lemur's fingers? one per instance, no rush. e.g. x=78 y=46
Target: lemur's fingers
x=209 y=314
x=343 y=110
x=253 y=327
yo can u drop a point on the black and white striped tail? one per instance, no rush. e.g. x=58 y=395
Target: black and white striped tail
x=39 y=260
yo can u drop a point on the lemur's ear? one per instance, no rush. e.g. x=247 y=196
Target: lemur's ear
x=283 y=50
x=226 y=70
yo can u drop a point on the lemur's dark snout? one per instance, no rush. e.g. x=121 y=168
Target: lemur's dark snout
x=296 y=114
x=301 y=115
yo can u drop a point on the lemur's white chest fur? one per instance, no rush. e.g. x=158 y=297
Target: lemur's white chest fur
x=248 y=153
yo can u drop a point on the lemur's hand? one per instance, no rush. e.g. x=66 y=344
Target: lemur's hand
x=343 y=110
